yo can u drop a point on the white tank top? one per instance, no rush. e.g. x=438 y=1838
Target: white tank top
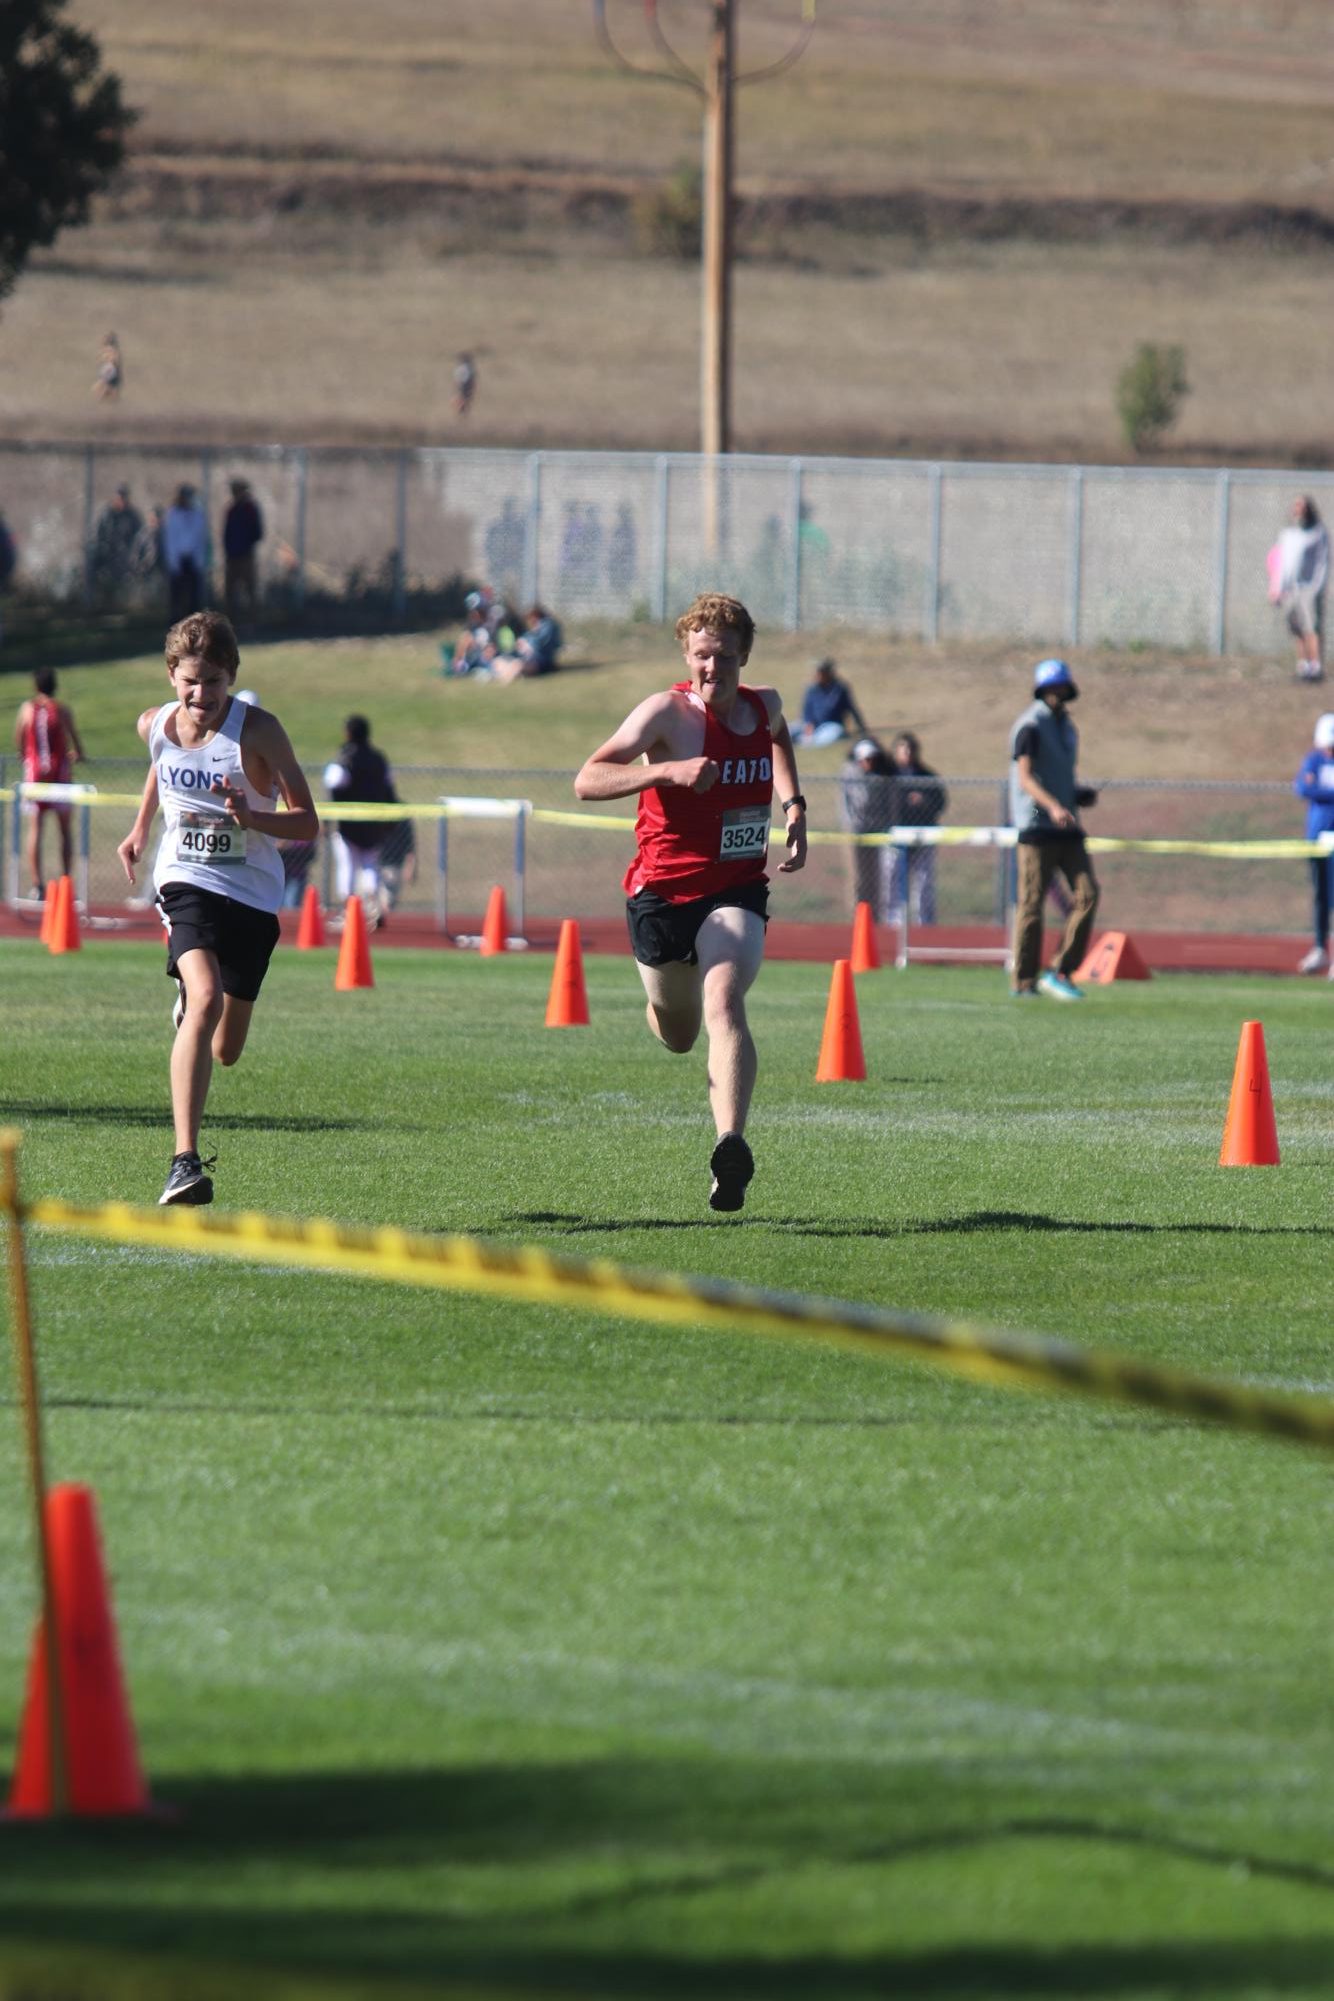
x=201 y=844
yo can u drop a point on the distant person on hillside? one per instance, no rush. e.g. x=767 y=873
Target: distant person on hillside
x=827 y=708
x=184 y=553
x=465 y=384
x=1298 y=572
x=242 y=533
x=110 y=370
x=536 y=650
x=360 y=775
x=47 y=741
x=1315 y=784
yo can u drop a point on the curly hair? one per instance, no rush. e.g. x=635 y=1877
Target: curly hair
x=712 y=611
x=205 y=635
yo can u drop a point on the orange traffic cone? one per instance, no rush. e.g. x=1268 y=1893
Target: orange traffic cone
x=1114 y=957
x=495 y=930
x=354 y=954
x=567 y=1003
x=841 y=1058
x=49 y=909
x=865 y=951
x=102 y=1774
x=64 y=929
x=1250 y=1137
x=310 y=931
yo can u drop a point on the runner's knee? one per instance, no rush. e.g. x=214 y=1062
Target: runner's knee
x=676 y=1032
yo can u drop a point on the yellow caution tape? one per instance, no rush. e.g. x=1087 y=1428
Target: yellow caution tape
x=536 y=1276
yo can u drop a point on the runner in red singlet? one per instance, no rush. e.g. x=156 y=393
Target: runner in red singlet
x=713 y=751
x=45 y=737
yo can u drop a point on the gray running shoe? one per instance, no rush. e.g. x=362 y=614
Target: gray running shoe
x=188 y=1181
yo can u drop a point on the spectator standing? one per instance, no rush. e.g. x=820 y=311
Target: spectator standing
x=465 y=383
x=47 y=741
x=184 y=554
x=1299 y=570
x=360 y=774
x=1315 y=784
x=827 y=708
x=146 y=555
x=1044 y=800
x=623 y=552
x=242 y=533
x=918 y=800
x=119 y=527
x=865 y=793
x=110 y=370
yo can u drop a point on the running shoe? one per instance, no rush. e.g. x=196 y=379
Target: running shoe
x=1023 y=993
x=731 y=1166
x=1315 y=961
x=178 y=1005
x=1056 y=987
x=188 y=1181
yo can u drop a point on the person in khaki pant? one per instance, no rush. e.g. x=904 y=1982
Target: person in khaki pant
x=1044 y=807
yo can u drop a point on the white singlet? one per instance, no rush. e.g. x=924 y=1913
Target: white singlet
x=201 y=844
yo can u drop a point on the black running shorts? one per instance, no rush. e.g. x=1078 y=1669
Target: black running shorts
x=240 y=938
x=664 y=934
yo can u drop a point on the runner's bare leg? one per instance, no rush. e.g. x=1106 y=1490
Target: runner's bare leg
x=731 y=950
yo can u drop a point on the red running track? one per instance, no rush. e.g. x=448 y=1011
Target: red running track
x=1162 y=951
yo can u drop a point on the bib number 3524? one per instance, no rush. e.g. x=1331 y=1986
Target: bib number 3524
x=203 y=838
x=745 y=834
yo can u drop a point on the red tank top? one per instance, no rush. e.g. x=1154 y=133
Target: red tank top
x=696 y=843
x=45 y=749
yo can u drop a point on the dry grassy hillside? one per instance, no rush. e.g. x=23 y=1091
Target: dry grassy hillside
x=958 y=219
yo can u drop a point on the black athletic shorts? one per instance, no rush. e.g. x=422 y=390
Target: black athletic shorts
x=240 y=938
x=664 y=934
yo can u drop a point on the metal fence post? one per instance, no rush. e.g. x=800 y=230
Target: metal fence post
x=85 y=848
x=1224 y=513
x=442 y=873
x=299 y=528
x=793 y=618
x=931 y=606
x=532 y=548
x=521 y=861
x=1074 y=576
x=206 y=499
x=400 y=596
x=662 y=494
x=89 y=455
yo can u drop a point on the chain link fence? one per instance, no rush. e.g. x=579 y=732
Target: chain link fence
x=1046 y=555
x=575 y=870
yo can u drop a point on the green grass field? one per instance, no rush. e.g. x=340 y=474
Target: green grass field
x=499 y=1651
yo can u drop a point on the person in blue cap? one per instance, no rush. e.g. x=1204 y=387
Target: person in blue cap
x=1045 y=798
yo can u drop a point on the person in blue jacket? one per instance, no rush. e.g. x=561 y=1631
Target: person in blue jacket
x=1315 y=784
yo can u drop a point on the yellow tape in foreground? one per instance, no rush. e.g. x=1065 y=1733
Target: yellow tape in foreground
x=467 y=1264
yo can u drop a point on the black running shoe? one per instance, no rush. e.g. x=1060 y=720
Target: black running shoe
x=731 y=1166
x=188 y=1181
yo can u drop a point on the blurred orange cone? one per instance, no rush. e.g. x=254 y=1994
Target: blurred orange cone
x=49 y=909
x=567 y=1003
x=64 y=928
x=101 y=1758
x=495 y=930
x=865 y=951
x=841 y=1058
x=1114 y=957
x=354 y=954
x=310 y=931
x=1250 y=1137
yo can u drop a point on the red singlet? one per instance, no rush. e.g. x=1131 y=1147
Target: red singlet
x=697 y=843
x=45 y=750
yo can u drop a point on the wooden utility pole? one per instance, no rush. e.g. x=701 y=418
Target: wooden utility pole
x=717 y=88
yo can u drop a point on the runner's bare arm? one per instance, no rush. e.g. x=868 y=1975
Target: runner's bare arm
x=786 y=784
x=611 y=772
x=19 y=724
x=270 y=765
x=132 y=847
x=67 y=715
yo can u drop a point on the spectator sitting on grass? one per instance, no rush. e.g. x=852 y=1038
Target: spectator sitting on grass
x=487 y=633
x=828 y=708
x=536 y=651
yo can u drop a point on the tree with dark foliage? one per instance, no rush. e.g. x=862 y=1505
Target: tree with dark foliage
x=63 y=123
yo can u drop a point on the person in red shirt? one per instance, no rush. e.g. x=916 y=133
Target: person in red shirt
x=47 y=742
x=704 y=758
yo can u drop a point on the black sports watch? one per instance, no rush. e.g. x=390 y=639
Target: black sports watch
x=797 y=799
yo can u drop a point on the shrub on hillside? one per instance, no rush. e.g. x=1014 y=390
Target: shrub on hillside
x=1149 y=393
x=669 y=218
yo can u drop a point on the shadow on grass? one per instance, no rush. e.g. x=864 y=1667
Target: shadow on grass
x=156 y=1117
x=977 y=1221
x=575 y=1860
